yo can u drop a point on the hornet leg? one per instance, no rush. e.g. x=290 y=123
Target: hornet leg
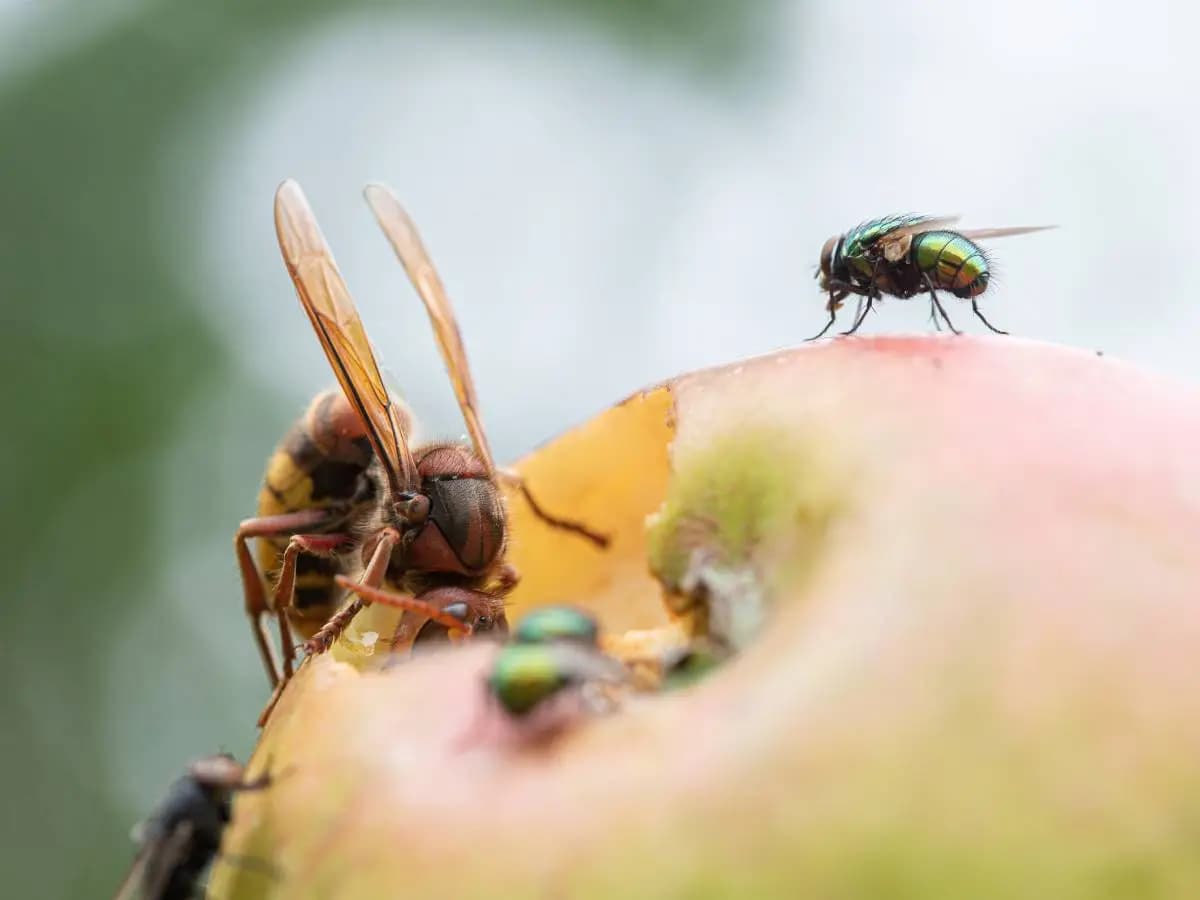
x=253 y=584
x=372 y=577
x=406 y=602
x=285 y=588
x=284 y=597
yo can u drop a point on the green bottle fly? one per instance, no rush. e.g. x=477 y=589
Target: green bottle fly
x=524 y=676
x=558 y=623
x=902 y=256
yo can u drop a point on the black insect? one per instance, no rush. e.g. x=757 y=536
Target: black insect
x=179 y=839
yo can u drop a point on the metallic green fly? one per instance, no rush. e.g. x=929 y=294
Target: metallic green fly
x=526 y=676
x=903 y=256
x=558 y=623
x=554 y=649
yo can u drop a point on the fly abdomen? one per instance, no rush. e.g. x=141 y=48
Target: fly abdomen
x=954 y=263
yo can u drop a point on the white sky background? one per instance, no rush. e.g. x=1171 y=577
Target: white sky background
x=603 y=220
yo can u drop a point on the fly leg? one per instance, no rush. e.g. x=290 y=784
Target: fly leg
x=834 y=304
x=860 y=315
x=937 y=303
x=872 y=294
x=263 y=781
x=828 y=325
x=933 y=314
x=515 y=479
x=254 y=590
x=975 y=308
x=831 y=307
x=251 y=863
x=858 y=308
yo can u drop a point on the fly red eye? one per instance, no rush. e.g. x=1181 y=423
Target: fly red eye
x=827 y=256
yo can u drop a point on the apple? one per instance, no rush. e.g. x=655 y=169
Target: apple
x=959 y=584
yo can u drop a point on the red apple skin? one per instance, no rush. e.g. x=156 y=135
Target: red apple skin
x=978 y=676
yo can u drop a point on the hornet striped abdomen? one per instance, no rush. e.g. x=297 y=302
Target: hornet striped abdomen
x=321 y=464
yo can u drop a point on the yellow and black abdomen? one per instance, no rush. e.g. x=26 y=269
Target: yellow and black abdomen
x=954 y=263
x=323 y=462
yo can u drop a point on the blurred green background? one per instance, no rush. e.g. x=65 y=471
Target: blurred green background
x=613 y=190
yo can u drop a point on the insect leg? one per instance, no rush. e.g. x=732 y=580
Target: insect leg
x=861 y=317
x=282 y=598
x=407 y=602
x=860 y=314
x=263 y=781
x=506 y=579
x=828 y=325
x=372 y=577
x=835 y=302
x=253 y=584
x=858 y=309
x=872 y=294
x=975 y=308
x=513 y=478
x=937 y=303
x=285 y=588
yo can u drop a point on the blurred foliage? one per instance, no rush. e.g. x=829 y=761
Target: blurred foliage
x=108 y=354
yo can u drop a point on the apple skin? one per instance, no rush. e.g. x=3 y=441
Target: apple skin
x=973 y=673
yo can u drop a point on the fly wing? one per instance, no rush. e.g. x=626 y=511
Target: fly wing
x=406 y=242
x=979 y=234
x=894 y=244
x=131 y=885
x=156 y=861
x=581 y=664
x=927 y=223
x=167 y=857
x=326 y=300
